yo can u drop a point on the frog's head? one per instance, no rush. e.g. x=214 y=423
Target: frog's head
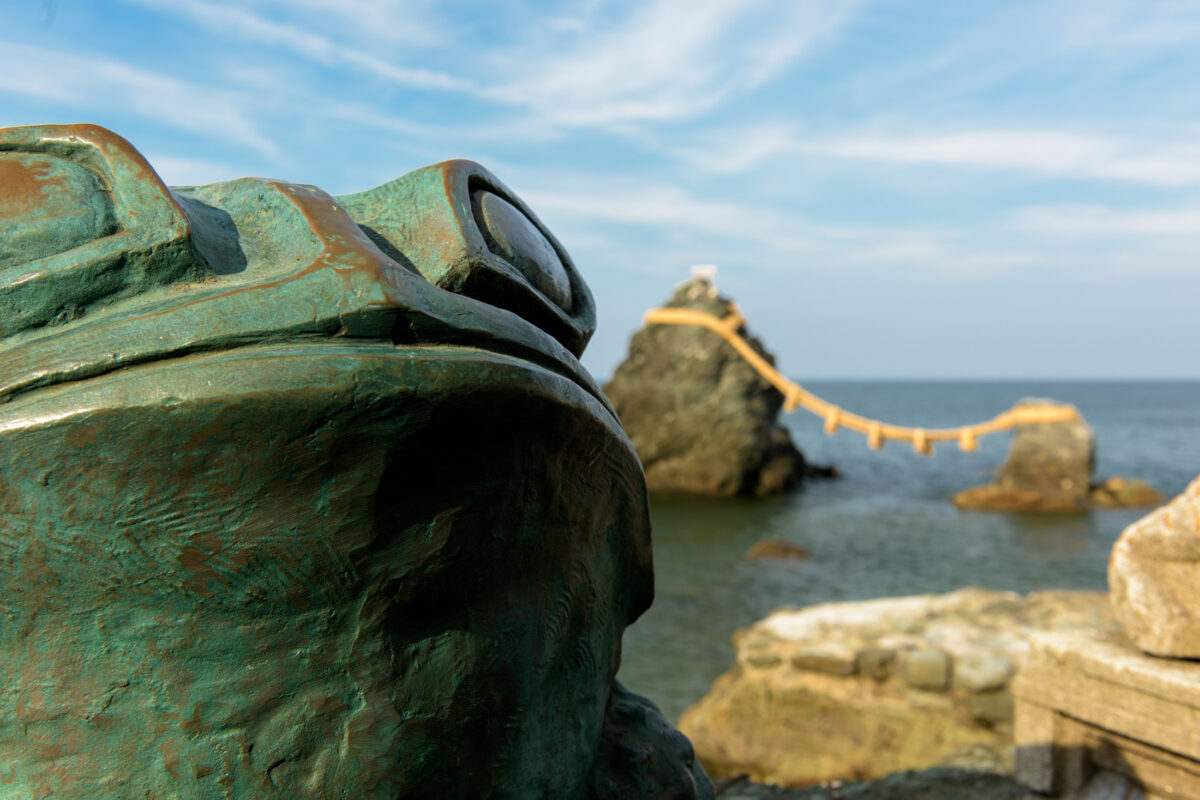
x=299 y=492
x=118 y=269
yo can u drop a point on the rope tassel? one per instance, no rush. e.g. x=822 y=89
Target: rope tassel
x=875 y=436
x=832 y=422
x=921 y=443
x=791 y=400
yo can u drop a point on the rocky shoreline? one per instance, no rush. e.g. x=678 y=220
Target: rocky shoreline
x=862 y=690
x=938 y=783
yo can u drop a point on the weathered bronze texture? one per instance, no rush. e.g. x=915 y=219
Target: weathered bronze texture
x=302 y=496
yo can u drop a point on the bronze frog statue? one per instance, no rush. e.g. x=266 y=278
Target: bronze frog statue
x=305 y=496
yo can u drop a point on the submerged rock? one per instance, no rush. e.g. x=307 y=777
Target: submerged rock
x=852 y=691
x=1118 y=492
x=702 y=419
x=777 y=549
x=1154 y=578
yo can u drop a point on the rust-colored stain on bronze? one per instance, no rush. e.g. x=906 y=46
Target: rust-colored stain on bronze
x=24 y=184
x=195 y=562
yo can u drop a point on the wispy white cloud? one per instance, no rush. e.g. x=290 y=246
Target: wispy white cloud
x=184 y=171
x=768 y=236
x=1107 y=223
x=1111 y=25
x=669 y=59
x=236 y=19
x=657 y=61
x=659 y=205
x=412 y=23
x=1050 y=153
x=1043 y=151
x=95 y=82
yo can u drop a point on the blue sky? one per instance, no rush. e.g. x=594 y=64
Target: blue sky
x=890 y=189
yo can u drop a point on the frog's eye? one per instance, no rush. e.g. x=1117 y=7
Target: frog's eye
x=510 y=235
x=464 y=231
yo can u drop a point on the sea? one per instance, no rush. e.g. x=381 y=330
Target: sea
x=887 y=526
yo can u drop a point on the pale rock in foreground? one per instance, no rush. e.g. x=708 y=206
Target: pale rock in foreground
x=1154 y=578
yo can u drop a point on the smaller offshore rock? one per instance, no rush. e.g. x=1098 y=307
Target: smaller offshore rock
x=702 y=420
x=1154 y=578
x=1049 y=468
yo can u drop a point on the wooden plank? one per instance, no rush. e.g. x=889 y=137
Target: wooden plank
x=1171 y=726
x=1112 y=658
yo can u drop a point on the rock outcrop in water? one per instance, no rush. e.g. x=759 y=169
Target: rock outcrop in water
x=700 y=417
x=859 y=690
x=1049 y=468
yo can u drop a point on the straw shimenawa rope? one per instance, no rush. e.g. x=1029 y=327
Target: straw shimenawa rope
x=795 y=396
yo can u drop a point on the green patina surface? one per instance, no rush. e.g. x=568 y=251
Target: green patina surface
x=307 y=496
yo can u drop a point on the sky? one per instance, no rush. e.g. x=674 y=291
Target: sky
x=889 y=188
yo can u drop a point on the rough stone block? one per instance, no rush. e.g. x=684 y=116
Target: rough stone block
x=991 y=707
x=981 y=672
x=833 y=658
x=877 y=662
x=926 y=669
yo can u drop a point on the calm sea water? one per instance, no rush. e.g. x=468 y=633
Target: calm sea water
x=887 y=527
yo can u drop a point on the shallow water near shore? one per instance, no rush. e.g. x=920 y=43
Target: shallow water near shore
x=887 y=526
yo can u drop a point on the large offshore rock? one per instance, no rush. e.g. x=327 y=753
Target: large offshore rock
x=1049 y=468
x=702 y=419
x=1154 y=578
x=305 y=497
x=858 y=690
